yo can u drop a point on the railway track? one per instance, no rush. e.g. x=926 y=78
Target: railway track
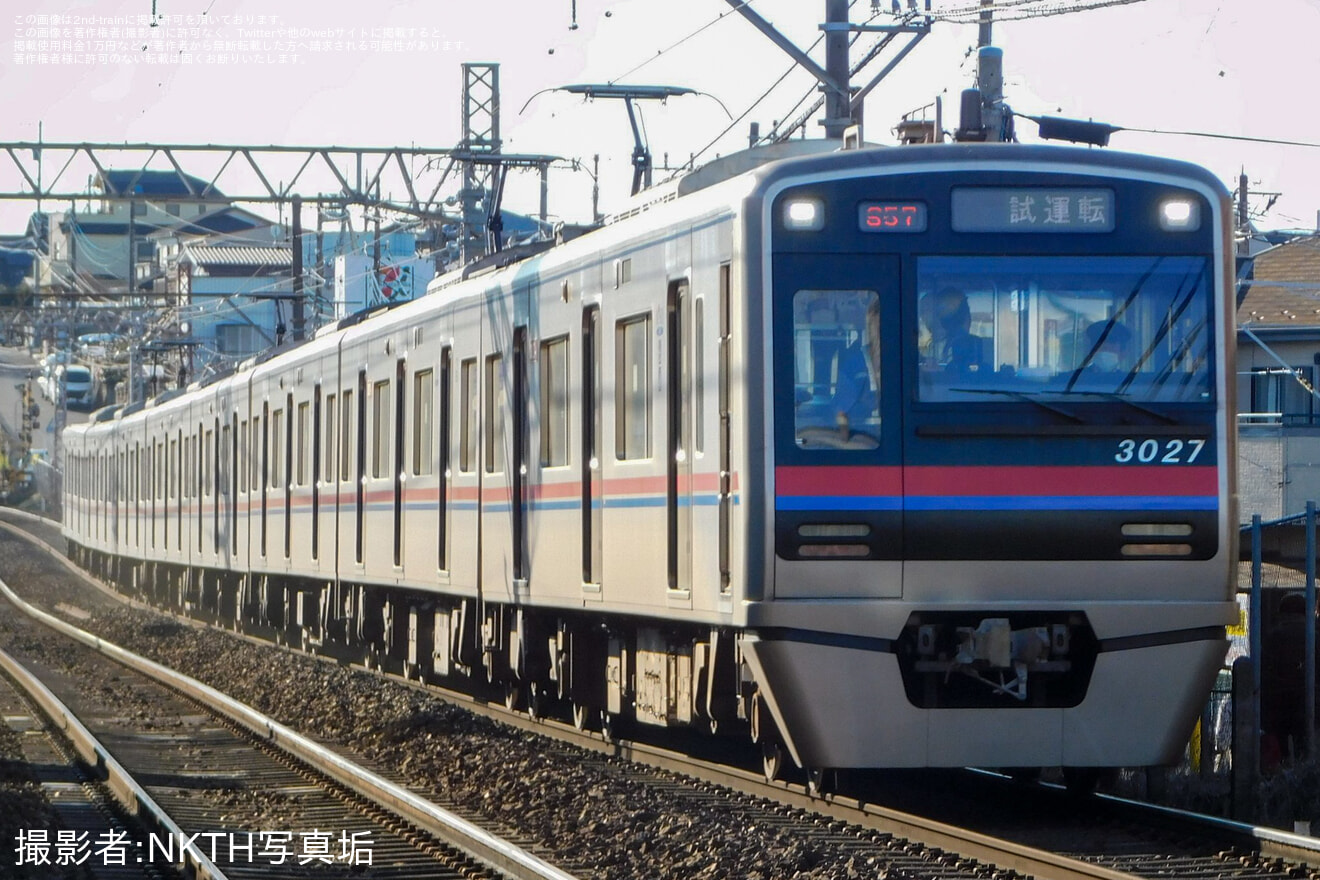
x=263 y=804
x=58 y=814
x=878 y=825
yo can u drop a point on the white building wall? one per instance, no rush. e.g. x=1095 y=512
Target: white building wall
x=1301 y=469
x=1260 y=472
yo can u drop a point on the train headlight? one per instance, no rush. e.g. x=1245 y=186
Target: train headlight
x=1180 y=215
x=804 y=215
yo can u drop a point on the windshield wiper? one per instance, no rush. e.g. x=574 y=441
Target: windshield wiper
x=1020 y=395
x=1119 y=398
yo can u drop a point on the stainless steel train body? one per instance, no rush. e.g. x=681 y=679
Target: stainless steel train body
x=901 y=457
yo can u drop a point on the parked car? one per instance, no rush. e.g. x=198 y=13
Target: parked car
x=78 y=385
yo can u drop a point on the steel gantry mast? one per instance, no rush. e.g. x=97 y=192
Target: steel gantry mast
x=843 y=101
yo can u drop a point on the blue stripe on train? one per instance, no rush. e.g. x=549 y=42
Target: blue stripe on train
x=982 y=502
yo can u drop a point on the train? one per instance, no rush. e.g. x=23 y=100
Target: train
x=915 y=456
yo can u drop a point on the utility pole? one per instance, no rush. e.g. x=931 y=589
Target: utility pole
x=838 y=113
x=545 y=192
x=132 y=244
x=987 y=21
x=320 y=263
x=843 y=103
x=1243 y=221
x=375 y=254
x=299 y=313
x=73 y=241
x=595 y=187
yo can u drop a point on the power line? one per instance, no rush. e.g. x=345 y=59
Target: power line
x=876 y=48
x=772 y=87
x=1019 y=10
x=659 y=52
x=1226 y=137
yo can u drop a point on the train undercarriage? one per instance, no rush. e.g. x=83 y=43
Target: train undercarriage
x=598 y=671
x=604 y=672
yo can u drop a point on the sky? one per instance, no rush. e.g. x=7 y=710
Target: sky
x=1215 y=66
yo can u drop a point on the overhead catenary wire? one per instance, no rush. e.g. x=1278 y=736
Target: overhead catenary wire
x=962 y=13
x=660 y=52
x=1222 y=136
x=1019 y=10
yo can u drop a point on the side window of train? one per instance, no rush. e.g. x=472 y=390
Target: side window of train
x=302 y=454
x=380 y=429
x=554 y=402
x=255 y=452
x=346 y=438
x=276 y=449
x=423 y=407
x=836 y=369
x=495 y=406
x=208 y=461
x=467 y=449
x=244 y=453
x=328 y=435
x=632 y=388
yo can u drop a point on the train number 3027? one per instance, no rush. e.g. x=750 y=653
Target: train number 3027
x=1159 y=452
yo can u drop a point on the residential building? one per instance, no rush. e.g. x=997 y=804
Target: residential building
x=1278 y=362
x=88 y=251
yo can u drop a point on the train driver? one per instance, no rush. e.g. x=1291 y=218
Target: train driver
x=1107 y=347
x=951 y=346
x=858 y=370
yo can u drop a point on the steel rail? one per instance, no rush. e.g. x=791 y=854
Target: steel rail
x=1002 y=854
x=479 y=843
x=1270 y=842
x=191 y=861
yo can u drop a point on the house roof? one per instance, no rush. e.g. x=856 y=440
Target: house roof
x=224 y=220
x=1285 y=291
x=250 y=256
x=153 y=183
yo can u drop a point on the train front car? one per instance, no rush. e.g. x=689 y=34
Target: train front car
x=998 y=515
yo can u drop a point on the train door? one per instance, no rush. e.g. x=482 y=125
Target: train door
x=247 y=463
x=116 y=487
x=317 y=464
x=593 y=493
x=327 y=468
x=464 y=484
x=837 y=434
x=503 y=448
x=399 y=472
x=679 y=435
x=347 y=476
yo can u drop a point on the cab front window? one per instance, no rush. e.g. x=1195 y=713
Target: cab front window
x=836 y=369
x=1082 y=326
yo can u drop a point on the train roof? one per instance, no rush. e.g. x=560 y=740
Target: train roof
x=968 y=154
x=761 y=167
